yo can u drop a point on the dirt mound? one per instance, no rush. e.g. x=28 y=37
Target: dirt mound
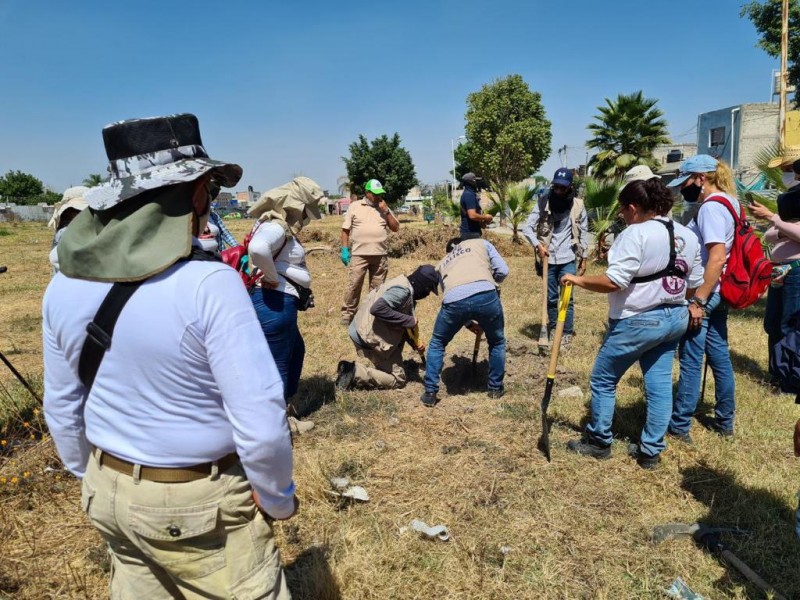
x=429 y=243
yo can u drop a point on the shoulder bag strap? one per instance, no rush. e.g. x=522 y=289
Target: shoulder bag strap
x=670 y=270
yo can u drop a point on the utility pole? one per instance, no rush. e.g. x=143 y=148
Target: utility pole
x=784 y=74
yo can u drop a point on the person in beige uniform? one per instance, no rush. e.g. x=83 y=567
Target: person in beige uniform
x=379 y=330
x=366 y=228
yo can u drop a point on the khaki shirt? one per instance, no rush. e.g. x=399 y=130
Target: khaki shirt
x=368 y=229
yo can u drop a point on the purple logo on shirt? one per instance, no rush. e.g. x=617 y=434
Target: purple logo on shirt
x=676 y=285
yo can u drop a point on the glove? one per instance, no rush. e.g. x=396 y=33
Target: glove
x=346 y=256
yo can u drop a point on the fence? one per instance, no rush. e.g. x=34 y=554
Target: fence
x=14 y=212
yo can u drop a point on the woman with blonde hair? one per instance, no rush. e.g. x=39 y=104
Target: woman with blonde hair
x=705 y=180
x=285 y=279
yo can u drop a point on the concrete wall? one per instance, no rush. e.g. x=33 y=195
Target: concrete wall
x=25 y=213
x=759 y=129
x=712 y=120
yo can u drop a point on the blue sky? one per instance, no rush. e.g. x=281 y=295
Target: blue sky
x=282 y=88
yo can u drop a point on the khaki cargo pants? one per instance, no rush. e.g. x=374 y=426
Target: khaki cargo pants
x=200 y=539
x=376 y=266
x=388 y=372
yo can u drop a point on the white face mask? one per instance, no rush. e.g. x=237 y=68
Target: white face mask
x=789 y=179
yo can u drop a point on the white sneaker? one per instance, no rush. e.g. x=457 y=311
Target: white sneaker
x=300 y=427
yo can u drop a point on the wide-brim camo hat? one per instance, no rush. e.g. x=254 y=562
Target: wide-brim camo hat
x=787 y=157
x=146 y=154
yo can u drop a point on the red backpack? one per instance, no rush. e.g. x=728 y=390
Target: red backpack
x=747 y=271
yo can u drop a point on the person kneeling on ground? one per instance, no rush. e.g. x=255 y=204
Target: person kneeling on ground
x=470 y=273
x=648 y=268
x=379 y=328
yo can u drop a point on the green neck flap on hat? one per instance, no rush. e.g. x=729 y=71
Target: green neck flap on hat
x=134 y=240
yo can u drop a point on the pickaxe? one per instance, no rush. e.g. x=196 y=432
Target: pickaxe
x=412 y=337
x=476 y=329
x=708 y=537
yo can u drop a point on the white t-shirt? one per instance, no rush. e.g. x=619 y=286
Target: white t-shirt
x=290 y=261
x=713 y=224
x=643 y=249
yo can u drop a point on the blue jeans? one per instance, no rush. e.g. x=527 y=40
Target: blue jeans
x=782 y=303
x=651 y=338
x=277 y=313
x=710 y=339
x=554 y=275
x=485 y=308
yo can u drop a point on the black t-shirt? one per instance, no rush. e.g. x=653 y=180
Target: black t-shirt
x=469 y=200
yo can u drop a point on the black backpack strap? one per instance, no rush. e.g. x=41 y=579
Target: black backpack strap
x=670 y=270
x=100 y=331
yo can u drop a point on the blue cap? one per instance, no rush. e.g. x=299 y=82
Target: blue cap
x=700 y=163
x=563 y=177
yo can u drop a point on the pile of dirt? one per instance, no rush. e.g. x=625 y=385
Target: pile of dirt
x=429 y=243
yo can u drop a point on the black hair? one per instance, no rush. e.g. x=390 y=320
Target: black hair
x=650 y=195
x=789 y=207
x=452 y=243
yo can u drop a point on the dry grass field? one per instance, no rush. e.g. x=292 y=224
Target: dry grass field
x=520 y=528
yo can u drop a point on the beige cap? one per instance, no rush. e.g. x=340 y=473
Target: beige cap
x=639 y=173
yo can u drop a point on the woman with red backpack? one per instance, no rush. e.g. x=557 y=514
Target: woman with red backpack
x=709 y=182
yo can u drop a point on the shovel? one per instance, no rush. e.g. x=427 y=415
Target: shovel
x=708 y=537
x=20 y=378
x=544 y=342
x=563 y=304
x=475 y=349
x=412 y=337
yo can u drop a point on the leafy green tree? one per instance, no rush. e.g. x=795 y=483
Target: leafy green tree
x=508 y=132
x=19 y=185
x=383 y=159
x=627 y=131
x=516 y=204
x=464 y=161
x=93 y=180
x=766 y=17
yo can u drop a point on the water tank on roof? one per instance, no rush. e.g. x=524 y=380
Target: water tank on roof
x=674 y=156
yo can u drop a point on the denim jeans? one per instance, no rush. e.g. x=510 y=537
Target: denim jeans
x=554 y=275
x=485 y=308
x=710 y=339
x=650 y=338
x=277 y=313
x=782 y=303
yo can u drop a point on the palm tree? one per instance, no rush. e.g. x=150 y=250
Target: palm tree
x=516 y=204
x=625 y=135
x=93 y=180
x=343 y=184
x=601 y=199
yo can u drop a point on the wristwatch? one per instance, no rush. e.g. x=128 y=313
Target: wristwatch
x=699 y=301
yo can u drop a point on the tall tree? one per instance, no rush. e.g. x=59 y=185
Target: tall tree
x=627 y=131
x=93 y=180
x=19 y=185
x=383 y=159
x=464 y=162
x=508 y=132
x=766 y=17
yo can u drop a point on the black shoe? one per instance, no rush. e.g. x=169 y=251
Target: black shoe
x=494 y=394
x=683 y=437
x=429 y=399
x=711 y=424
x=643 y=460
x=586 y=448
x=345 y=374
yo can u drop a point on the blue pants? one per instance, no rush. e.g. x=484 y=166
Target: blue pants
x=710 y=339
x=554 y=275
x=782 y=303
x=277 y=313
x=485 y=308
x=650 y=338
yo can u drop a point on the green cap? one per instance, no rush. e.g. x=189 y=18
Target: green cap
x=375 y=186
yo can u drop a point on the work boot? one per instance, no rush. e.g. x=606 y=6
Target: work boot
x=643 y=460
x=711 y=424
x=345 y=374
x=497 y=393
x=585 y=447
x=566 y=339
x=429 y=399
x=683 y=437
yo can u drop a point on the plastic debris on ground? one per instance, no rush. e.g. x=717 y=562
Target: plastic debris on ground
x=680 y=591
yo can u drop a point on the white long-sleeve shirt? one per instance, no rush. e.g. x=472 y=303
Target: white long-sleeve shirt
x=188 y=379
x=290 y=260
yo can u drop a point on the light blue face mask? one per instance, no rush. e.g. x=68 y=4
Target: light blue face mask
x=789 y=179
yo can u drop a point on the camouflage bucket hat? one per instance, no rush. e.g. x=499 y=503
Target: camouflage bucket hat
x=147 y=154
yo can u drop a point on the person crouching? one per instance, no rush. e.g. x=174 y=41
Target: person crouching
x=378 y=331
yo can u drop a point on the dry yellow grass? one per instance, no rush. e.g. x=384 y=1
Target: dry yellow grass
x=575 y=528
